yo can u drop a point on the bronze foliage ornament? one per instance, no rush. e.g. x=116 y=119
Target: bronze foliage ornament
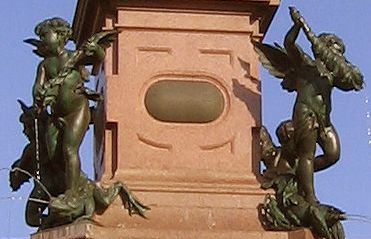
x=55 y=126
x=287 y=209
x=290 y=168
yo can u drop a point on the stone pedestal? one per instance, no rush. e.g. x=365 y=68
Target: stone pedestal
x=179 y=116
x=91 y=231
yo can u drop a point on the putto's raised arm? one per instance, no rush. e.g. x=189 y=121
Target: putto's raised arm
x=329 y=49
x=293 y=50
x=299 y=20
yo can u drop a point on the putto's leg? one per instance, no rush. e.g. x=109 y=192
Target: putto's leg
x=305 y=137
x=330 y=144
x=75 y=127
x=306 y=148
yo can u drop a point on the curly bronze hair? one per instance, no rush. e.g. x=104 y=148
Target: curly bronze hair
x=330 y=39
x=59 y=25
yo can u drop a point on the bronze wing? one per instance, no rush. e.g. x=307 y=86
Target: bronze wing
x=277 y=62
x=40 y=51
x=104 y=38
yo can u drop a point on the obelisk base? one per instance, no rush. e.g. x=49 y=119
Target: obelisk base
x=87 y=230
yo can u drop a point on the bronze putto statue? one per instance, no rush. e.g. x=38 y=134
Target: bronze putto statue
x=56 y=124
x=290 y=168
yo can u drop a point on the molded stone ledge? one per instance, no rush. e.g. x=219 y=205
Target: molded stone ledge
x=87 y=230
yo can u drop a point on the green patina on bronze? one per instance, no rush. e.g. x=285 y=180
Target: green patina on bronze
x=290 y=168
x=55 y=135
x=181 y=101
x=288 y=209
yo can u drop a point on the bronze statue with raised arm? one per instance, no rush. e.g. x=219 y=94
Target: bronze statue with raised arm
x=313 y=81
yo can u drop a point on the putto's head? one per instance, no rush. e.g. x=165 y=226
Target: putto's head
x=334 y=42
x=285 y=132
x=54 y=33
x=56 y=24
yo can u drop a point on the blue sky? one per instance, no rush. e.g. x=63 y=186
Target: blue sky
x=345 y=185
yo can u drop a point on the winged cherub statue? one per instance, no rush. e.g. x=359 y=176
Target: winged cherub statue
x=56 y=125
x=59 y=85
x=313 y=81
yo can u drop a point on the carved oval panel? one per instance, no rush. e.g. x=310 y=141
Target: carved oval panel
x=182 y=101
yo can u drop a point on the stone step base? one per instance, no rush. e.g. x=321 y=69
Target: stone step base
x=87 y=230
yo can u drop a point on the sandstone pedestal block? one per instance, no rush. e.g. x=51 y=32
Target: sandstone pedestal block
x=180 y=116
x=87 y=230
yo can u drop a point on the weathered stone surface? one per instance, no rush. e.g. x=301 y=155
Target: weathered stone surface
x=200 y=180
x=91 y=231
